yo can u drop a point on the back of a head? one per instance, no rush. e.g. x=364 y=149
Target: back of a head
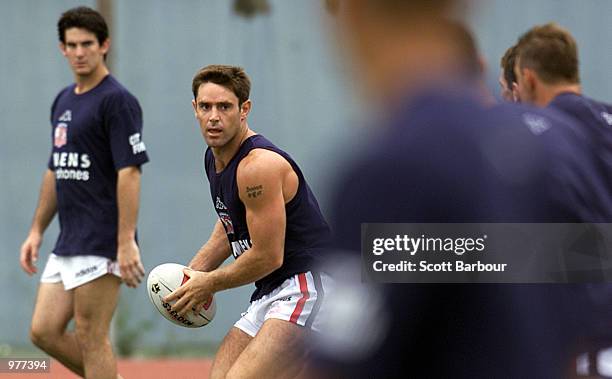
x=507 y=64
x=551 y=52
x=84 y=18
x=231 y=77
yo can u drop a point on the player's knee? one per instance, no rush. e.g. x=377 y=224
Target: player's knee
x=89 y=334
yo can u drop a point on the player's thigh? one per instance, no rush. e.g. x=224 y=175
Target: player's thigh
x=277 y=351
x=53 y=309
x=232 y=346
x=95 y=303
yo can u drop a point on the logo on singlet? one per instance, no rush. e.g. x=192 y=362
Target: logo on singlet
x=219 y=205
x=240 y=246
x=227 y=222
x=225 y=218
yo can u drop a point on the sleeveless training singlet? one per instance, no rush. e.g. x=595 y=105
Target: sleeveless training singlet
x=307 y=233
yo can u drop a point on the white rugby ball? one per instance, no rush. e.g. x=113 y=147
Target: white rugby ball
x=166 y=278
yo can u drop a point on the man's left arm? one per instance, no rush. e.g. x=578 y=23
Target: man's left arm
x=260 y=182
x=128 y=254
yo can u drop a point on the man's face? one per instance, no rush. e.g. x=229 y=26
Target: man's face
x=83 y=51
x=217 y=111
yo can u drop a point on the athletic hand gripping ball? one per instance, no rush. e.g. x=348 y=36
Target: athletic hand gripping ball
x=166 y=278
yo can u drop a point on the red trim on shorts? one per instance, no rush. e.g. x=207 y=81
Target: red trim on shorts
x=300 y=304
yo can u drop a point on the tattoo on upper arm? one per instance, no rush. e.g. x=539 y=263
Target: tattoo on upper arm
x=255 y=191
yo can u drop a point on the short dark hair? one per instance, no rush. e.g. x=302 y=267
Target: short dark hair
x=85 y=18
x=551 y=52
x=507 y=64
x=231 y=77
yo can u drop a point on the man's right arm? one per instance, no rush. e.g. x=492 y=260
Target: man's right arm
x=46 y=209
x=214 y=252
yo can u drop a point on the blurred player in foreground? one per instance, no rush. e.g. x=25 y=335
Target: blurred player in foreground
x=441 y=156
x=270 y=221
x=92 y=183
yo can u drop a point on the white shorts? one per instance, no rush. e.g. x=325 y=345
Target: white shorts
x=77 y=270
x=300 y=300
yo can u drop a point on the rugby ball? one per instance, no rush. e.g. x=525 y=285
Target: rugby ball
x=166 y=278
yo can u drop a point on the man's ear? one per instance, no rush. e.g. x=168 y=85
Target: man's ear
x=105 y=46
x=531 y=79
x=515 y=93
x=62 y=48
x=195 y=108
x=245 y=108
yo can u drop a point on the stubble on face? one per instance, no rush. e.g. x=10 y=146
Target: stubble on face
x=218 y=114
